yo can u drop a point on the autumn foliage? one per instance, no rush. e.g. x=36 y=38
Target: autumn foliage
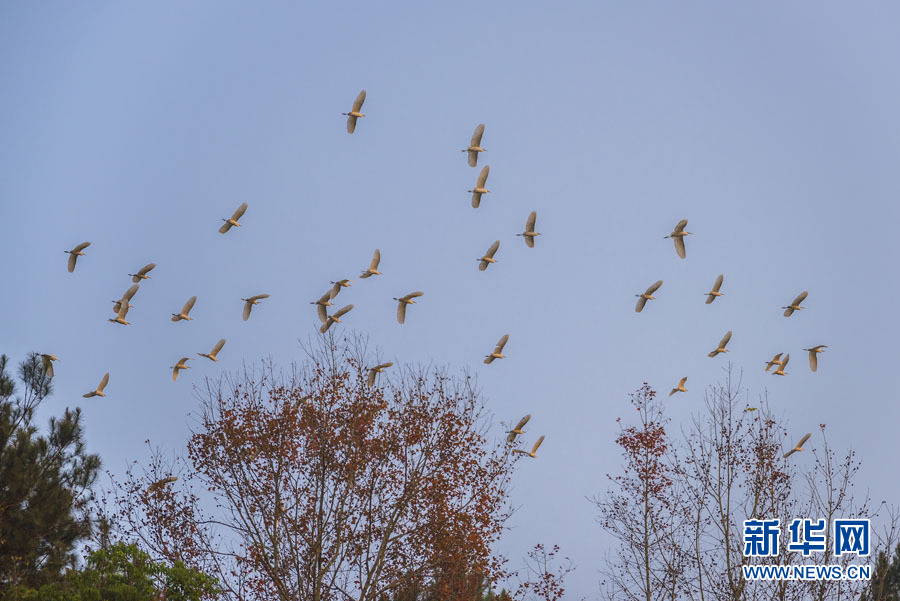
x=323 y=488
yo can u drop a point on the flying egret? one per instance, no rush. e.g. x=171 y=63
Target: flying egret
x=321 y=305
x=47 y=363
x=142 y=273
x=214 y=352
x=475 y=145
x=373 y=266
x=498 y=350
x=99 y=390
x=373 y=371
x=121 y=313
x=680 y=387
x=182 y=364
x=355 y=113
x=776 y=360
x=780 y=371
x=334 y=318
x=712 y=294
x=185 y=310
x=488 y=257
x=677 y=236
x=479 y=188
x=518 y=429
x=126 y=298
x=249 y=302
x=233 y=221
x=405 y=300
x=160 y=483
x=722 y=344
x=799 y=446
x=75 y=253
x=533 y=449
x=529 y=234
x=647 y=295
x=795 y=306
x=813 y=355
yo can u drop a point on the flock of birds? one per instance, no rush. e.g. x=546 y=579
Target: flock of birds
x=779 y=361
x=322 y=304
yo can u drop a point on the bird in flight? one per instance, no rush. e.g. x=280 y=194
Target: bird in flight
x=529 y=234
x=122 y=312
x=780 y=371
x=680 y=387
x=373 y=266
x=475 y=145
x=355 y=113
x=126 y=298
x=182 y=364
x=813 y=355
x=99 y=390
x=321 y=305
x=185 y=310
x=215 y=351
x=518 y=429
x=795 y=305
x=776 y=360
x=488 y=257
x=722 y=344
x=533 y=449
x=75 y=253
x=678 y=235
x=405 y=300
x=647 y=295
x=335 y=318
x=712 y=294
x=160 y=483
x=233 y=221
x=799 y=446
x=249 y=302
x=373 y=371
x=479 y=188
x=142 y=273
x=498 y=350
x=47 y=363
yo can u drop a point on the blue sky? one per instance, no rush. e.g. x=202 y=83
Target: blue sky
x=773 y=128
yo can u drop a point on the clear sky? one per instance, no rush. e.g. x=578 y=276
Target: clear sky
x=773 y=128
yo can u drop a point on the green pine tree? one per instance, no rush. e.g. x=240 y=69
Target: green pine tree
x=885 y=582
x=45 y=482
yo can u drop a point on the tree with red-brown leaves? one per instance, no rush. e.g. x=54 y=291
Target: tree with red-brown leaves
x=643 y=509
x=314 y=486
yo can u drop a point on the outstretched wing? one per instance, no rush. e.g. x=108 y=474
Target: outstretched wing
x=371 y=379
x=501 y=343
x=376 y=259
x=248 y=306
x=401 y=312
x=343 y=310
x=225 y=227
x=103 y=382
x=239 y=212
x=218 y=347
x=492 y=250
x=640 y=304
x=351 y=124
x=72 y=258
x=681 y=225
x=800 y=298
x=653 y=288
x=129 y=294
x=718 y=283
x=725 y=339
x=679 y=247
x=476 y=135
x=323 y=313
x=482 y=177
x=188 y=305
x=529 y=223
x=537 y=444
x=357 y=104
x=813 y=360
